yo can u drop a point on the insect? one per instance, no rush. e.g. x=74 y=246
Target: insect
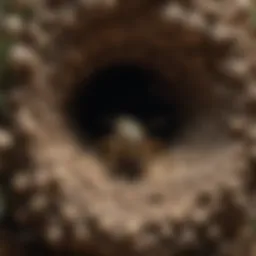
x=128 y=148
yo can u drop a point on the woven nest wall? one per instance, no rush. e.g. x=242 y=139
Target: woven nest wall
x=75 y=64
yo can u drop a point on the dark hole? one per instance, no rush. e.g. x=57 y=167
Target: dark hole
x=123 y=90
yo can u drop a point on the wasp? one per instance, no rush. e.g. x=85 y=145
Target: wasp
x=128 y=148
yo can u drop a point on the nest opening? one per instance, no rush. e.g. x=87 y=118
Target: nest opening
x=124 y=89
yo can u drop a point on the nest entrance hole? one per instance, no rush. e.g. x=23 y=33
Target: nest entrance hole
x=121 y=90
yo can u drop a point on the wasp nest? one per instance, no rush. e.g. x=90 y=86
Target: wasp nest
x=181 y=72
